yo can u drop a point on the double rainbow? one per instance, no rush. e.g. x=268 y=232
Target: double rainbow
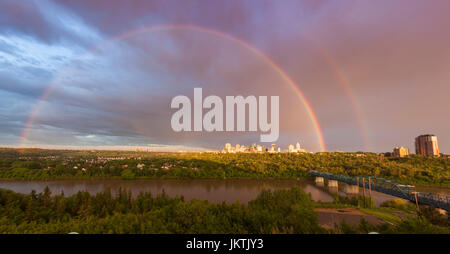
x=225 y=36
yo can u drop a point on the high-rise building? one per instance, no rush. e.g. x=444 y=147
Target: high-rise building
x=400 y=152
x=273 y=148
x=259 y=148
x=291 y=149
x=427 y=145
x=228 y=148
x=296 y=148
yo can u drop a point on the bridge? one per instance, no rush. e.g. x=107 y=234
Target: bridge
x=388 y=187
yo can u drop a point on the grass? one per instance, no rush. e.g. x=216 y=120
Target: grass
x=386 y=214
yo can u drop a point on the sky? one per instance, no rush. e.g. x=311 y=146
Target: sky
x=374 y=74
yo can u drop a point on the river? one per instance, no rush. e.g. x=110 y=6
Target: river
x=213 y=190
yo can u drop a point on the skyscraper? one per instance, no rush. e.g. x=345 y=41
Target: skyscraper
x=273 y=148
x=291 y=149
x=427 y=145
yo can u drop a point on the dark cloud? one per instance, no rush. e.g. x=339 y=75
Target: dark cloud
x=123 y=16
x=12 y=85
x=34 y=19
x=26 y=18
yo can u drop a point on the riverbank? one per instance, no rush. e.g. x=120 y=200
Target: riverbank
x=278 y=211
x=214 y=190
x=330 y=217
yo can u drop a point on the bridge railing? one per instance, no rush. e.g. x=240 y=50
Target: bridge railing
x=390 y=187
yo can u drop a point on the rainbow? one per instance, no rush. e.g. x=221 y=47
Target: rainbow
x=220 y=34
x=345 y=84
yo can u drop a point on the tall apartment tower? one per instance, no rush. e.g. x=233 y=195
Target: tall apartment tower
x=427 y=145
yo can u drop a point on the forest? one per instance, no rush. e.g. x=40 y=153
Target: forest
x=51 y=164
x=272 y=212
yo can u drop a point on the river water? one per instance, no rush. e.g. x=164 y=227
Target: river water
x=213 y=190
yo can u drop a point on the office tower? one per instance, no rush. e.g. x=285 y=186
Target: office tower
x=297 y=146
x=291 y=149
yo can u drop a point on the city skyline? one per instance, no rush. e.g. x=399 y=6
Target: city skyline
x=425 y=145
x=351 y=75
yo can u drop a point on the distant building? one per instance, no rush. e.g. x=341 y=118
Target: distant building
x=400 y=152
x=259 y=148
x=241 y=149
x=141 y=149
x=255 y=148
x=228 y=148
x=291 y=148
x=236 y=149
x=296 y=149
x=273 y=148
x=427 y=145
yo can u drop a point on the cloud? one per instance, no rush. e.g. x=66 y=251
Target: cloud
x=133 y=100
x=45 y=21
x=25 y=18
x=393 y=56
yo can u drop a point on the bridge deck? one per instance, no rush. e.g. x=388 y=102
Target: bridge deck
x=391 y=188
